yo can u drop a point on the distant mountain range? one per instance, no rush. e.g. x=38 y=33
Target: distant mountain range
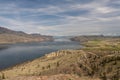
x=11 y=36
x=93 y=37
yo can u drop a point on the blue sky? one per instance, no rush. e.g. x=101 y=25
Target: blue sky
x=61 y=17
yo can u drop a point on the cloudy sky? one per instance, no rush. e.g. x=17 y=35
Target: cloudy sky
x=61 y=17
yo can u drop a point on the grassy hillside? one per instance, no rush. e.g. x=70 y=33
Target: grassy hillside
x=98 y=59
x=53 y=77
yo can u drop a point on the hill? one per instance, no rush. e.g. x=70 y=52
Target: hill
x=10 y=36
x=98 y=60
x=86 y=38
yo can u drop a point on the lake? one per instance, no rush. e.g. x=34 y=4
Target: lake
x=18 y=53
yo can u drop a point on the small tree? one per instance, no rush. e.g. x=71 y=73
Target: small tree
x=2 y=76
x=43 y=68
x=58 y=64
x=103 y=76
x=48 y=66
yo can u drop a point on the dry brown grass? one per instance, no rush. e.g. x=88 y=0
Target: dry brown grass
x=53 y=77
x=102 y=62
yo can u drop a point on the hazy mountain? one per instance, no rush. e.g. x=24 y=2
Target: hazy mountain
x=8 y=31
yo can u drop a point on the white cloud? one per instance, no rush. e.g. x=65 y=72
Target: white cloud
x=104 y=10
x=94 y=22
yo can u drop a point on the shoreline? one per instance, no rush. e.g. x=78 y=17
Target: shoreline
x=59 y=59
x=9 y=45
x=4 y=46
x=91 y=61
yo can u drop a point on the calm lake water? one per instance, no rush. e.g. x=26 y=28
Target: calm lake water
x=18 y=53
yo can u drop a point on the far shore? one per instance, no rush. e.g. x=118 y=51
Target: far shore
x=4 y=46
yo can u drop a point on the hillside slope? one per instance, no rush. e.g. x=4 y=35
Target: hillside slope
x=53 y=77
x=76 y=62
x=10 y=36
x=98 y=59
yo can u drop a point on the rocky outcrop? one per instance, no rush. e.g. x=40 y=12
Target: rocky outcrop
x=62 y=53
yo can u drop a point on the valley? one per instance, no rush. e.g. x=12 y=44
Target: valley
x=97 y=60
